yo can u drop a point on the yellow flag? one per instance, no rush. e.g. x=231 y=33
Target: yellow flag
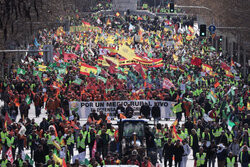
x=126 y=52
x=42 y=68
x=175 y=57
x=57 y=159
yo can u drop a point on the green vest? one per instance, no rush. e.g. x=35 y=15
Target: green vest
x=203 y=136
x=59 y=140
x=4 y=163
x=10 y=142
x=81 y=143
x=3 y=137
x=110 y=133
x=217 y=132
x=47 y=158
x=191 y=140
x=49 y=141
x=158 y=143
x=30 y=138
x=70 y=140
x=200 y=159
x=230 y=162
x=20 y=162
x=177 y=108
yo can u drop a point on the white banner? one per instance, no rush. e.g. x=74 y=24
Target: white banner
x=84 y=108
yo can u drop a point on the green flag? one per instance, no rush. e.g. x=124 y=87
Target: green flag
x=212 y=96
x=59 y=78
x=29 y=159
x=189 y=99
x=101 y=78
x=77 y=81
x=241 y=104
x=132 y=76
x=20 y=71
x=62 y=70
x=120 y=76
x=28 y=100
x=231 y=124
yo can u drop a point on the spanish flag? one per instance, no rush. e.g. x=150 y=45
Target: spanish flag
x=190 y=29
x=206 y=68
x=127 y=52
x=172 y=67
x=86 y=69
x=86 y=23
x=42 y=68
x=229 y=74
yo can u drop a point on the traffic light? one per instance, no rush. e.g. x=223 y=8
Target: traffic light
x=171 y=7
x=220 y=44
x=203 y=30
x=220 y=39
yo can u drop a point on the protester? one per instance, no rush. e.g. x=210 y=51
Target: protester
x=187 y=151
x=103 y=60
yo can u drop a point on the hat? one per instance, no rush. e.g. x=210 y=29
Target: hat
x=221 y=145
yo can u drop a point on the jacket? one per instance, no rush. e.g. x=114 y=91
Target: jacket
x=156 y=112
x=168 y=150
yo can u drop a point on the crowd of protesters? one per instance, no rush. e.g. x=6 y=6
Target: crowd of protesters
x=211 y=96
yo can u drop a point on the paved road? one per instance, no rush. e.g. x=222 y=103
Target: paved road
x=190 y=162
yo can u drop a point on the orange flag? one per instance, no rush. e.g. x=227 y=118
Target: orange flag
x=122 y=116
x=99 y=121
x=45 y=98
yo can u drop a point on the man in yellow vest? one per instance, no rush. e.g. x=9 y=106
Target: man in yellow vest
x=81 y=143
x=178 y=111
x=201 y=158
x=158 y=142
x=4 y=161
x=230 y=160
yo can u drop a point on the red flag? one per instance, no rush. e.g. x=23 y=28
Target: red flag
x=196 y=61
x=111 y=63
x=7 y=118
x=229 y=74
x=225 y=66
x=64 y=163
x=172 y=67
x=112 y=70
x=86 y=23
x=149 y=164
x=69 y=56
x=94 y=149
x=140 y=70
x=9 y=155
x=167 y=84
